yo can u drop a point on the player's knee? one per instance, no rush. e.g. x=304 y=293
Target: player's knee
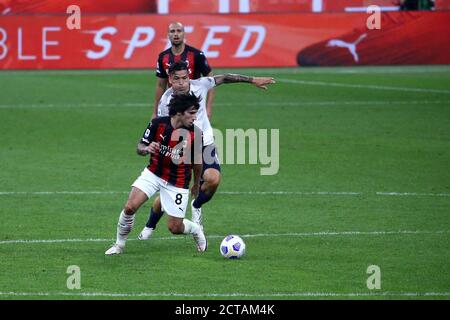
x=175 y=227
x=212 y=178
x=216 y=181
x=129 y=208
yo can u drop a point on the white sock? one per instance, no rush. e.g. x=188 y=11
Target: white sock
x=124 y=227
x=190 y=227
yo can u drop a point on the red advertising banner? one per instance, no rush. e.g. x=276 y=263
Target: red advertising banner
x=251 y=40
x=236 y=6
x=351 y=5
x=442 y=4
x=14 y=7
x=87 y=6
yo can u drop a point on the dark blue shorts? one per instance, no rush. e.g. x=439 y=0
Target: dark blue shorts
x=210 y=159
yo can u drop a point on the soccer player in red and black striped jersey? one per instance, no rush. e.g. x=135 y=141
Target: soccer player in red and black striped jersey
x=175 y=147
x=169 y=160
x=197 y=65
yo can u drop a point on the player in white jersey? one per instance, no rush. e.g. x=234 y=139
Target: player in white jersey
x=180 y=83
x=200 y=88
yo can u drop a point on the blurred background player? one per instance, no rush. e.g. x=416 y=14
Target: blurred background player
x=197 y=64
x=174 y=144
x=210 y=178
x=416 y=4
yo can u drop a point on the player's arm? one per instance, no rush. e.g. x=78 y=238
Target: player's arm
x=260 y=82
x=161 y=85
x=210 y=99
x=197 y=172
x=146 y=145
x=143 y=149
x=197 y=160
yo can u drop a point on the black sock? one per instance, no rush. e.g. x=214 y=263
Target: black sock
x=201 y=199
x=154 y=218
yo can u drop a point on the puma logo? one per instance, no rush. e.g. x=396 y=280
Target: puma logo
x=351 y=46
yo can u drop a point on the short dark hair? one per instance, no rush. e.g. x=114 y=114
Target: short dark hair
x=178 y=66
x=183 y=101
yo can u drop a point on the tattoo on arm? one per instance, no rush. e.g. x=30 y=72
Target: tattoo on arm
x=142 y=149
x=232 y=78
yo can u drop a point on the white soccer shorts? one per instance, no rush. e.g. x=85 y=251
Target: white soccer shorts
x=174 y=200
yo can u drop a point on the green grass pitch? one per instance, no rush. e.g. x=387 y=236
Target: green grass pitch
x=363 y=180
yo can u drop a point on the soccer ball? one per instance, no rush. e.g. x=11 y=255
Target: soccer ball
x=232 y=247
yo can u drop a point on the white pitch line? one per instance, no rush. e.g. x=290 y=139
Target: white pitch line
x=262 y=193
x=414 y=194
x=344 y=233
x=4 y=193
x=40 y=193
x=320 y=193
x=83 y=72
x=235 y=294
x=258 y=235
x=274 y=72
x=362 y=86
x=335 y=103
x=72 y=105
x=226 y=104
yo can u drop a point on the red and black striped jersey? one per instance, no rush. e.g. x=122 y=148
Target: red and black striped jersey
x=197 y=63
x=179 y=149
